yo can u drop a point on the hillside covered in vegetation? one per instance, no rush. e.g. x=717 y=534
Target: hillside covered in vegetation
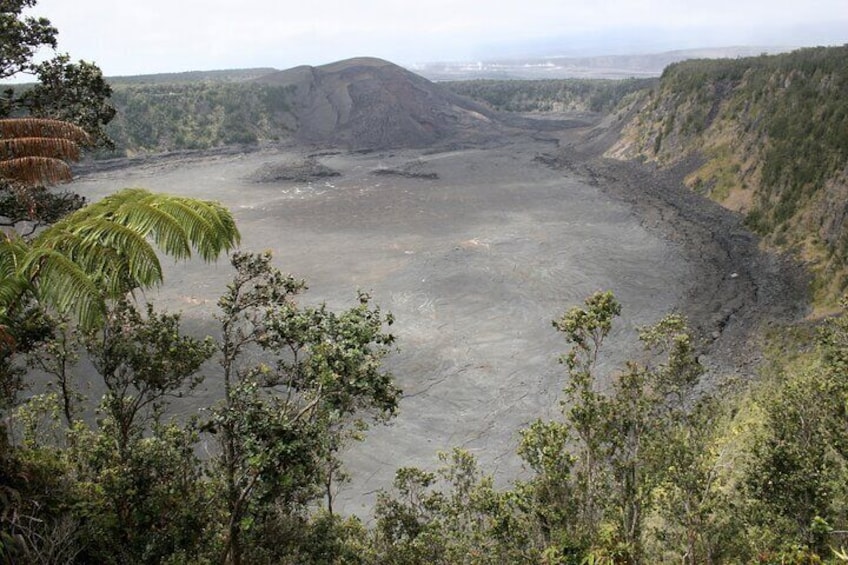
x=159 y=116
x=769 y=136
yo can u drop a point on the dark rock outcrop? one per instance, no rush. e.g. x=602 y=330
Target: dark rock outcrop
x=301 y=171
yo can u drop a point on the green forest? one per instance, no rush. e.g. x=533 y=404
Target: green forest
x=171 y=116
x=656 y=466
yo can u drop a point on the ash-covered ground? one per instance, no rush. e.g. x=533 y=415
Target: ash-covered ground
x=474 y=251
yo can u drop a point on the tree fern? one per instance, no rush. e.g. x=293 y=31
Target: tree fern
x=118 y=257
x=108 y=248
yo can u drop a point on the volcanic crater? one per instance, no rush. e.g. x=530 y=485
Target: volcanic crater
x=489 y=229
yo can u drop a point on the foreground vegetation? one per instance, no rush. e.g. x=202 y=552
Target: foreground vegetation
x=129 y=487
x=645 y=469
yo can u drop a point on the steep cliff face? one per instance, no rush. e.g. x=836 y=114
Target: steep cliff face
x=767 y=136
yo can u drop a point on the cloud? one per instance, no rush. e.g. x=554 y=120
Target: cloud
x=168 y=35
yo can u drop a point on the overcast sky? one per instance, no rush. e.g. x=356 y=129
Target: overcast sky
x=138 y=37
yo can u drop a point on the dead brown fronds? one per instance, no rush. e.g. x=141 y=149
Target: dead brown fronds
x=36 y=151
x=42 y=127
x=35 y=170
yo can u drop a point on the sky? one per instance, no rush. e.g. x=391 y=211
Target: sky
x=150 y=36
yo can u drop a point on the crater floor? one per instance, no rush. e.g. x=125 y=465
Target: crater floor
x=474 y=256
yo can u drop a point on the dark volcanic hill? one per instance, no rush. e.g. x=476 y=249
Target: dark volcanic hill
x=367 y=103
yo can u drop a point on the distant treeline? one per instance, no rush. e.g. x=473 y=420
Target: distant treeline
x=227 y=75
x=562 y=95
x=165 y=116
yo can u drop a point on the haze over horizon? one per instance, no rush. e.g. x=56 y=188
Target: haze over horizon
x=160 y=36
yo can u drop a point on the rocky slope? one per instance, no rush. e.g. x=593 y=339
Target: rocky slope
x=368 y=103
x=765 y=136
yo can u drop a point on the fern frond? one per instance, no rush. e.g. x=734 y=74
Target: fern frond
x=224 y=235
x=34 y=151
x=35 y=170
x=43 y=127
x=167 y=232
x=12 y=290
x=104 y=250
x=53 y=147
x=134 y=260
x=206 y=226
x=209 y=226
x=111 y=253
x=13 y=285
x=105 y=207
x=13 y=250
x=64 y=285
x=197 y=228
